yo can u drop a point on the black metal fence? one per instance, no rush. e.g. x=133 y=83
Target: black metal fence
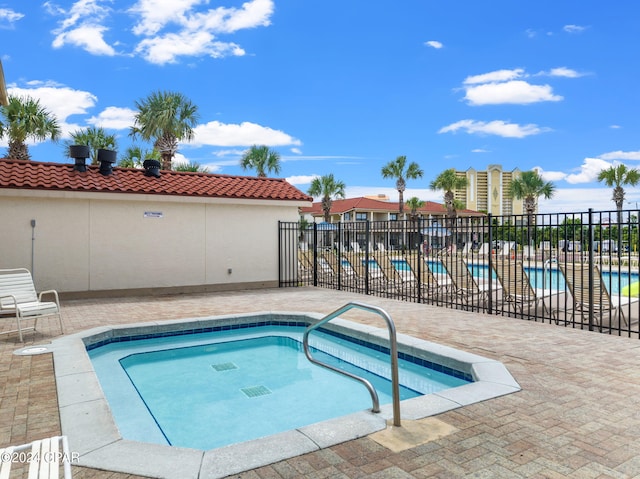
x=571 y=269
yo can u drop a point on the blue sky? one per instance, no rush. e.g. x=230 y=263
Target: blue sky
x=344 y=87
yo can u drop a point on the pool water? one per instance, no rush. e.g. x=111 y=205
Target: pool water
x=209 y=390
x=547 y=278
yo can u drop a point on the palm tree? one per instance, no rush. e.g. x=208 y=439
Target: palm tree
x=192 y=166
x=94 y=138
x=262 y=159
x=617 y=177
x=396 y=169
x=414 y=205
x=135 y=155
x=25 y=118
x=166 y=118
x=449 y=181
x=328 y=188
x=530 y=186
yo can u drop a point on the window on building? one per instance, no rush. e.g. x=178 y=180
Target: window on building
x=347 y=216
x=393 y=216
x=361 y=216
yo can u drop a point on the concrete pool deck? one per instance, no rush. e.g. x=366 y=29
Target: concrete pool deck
x=576 y=415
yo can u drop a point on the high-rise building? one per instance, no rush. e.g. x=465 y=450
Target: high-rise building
x=488 y=191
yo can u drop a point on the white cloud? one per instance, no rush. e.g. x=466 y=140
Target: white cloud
x=81 y=26
x=215 y=133
x=479 y=150
x=59 y=100
x=175 y=28
x=564 y=72
x=620 y=155
x=571 y=200
x=168 y=29
x=495 y=76
x=301 y=179
x=154 y=15
x=496 y=127
x=514 y=92
x=8 y=16
x=87 y=37
x=574 y=28
x=114 y=118
x=588 y=171
x=550 y=175
x=615 y=127
x=167 y=48
x=225 y=153
x=297 y=151
x=434 y=44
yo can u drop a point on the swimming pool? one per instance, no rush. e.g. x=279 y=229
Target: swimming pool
x=549 y=278
x=87 y=419
x=246 y=383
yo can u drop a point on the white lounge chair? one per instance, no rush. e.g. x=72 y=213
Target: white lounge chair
x=18 y=299
x=604 y=305
x=45 y=457
x=465 y=286
x=517 y=289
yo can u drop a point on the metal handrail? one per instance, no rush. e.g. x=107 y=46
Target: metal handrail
x=395 y=384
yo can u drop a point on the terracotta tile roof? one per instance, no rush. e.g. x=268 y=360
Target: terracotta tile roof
x=370 y=204
x=63 y=177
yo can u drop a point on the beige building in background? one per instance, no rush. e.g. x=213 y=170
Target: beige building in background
x=488 y=191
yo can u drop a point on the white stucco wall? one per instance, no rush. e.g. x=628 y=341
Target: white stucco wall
x=103 y=242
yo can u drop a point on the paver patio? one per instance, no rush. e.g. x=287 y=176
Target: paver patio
x=577 y=415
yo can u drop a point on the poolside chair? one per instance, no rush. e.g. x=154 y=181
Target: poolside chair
x=517 y=289
x=353 y=268
x=357 y=266
x=466 y=287
x=338 y=268
x=327 y=264
x=305 y=264
x=466 y=249
x=484 y=250
x=392 y=277
x=435 y=284
x=46 y=457
x=18 y=299
x=576 y=276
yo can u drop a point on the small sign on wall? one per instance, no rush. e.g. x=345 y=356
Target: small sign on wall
x=153 y=214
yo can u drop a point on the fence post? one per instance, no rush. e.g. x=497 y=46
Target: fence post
x=280 y=275
x=591 y=266
x=315 y=253
x=490 y=277
x=367 y=231
x=421 y=258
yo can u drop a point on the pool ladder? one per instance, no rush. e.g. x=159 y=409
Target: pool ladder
x=395 y=388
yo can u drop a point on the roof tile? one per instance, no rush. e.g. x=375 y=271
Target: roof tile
x=62 y=176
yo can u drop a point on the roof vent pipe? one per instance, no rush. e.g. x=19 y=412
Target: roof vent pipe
x=151 y=168
x=106 y=158
x=79 y=153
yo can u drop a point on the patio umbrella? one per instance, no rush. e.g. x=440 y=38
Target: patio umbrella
x=326 y=226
